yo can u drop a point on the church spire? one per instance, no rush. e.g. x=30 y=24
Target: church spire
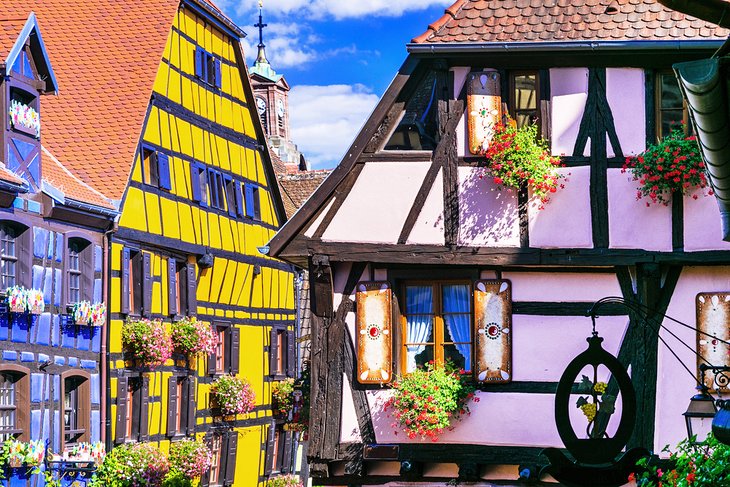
x=261 y=57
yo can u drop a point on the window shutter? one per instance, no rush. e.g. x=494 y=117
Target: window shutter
x=125 y=281
x=24 y=243
x=212 y=183
x=273 y=352
x=493 y=310
x=204 y=183
x=172 y=287
x=270 y=449
x=205 y=478
x=121 y=427
x=250 y=208
x=217 y=67
x=230 y=196
x=195 y=181
x=191 y=406
x=144 y=420
x=146 y=284
x=87 y=273
x=239 y=199
x=163 y=169
x=231 y=460
x=256 y=203
x=291 y=355
x=192 y=287
x=235 y=349
x=199 y=63
x=171 y=405
x=211 y=357
x=286 y=457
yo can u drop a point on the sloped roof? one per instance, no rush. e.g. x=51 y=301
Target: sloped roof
x=9 y=31
x=479 y=21
x=10 y=177
x=58 y=176
x=296 y=188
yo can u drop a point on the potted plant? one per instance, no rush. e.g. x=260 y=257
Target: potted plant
x=132 y=465
x=672 y=165
x=426 y=401
x=191 y=336
x=517 y=157
x=232 y=395
x=189 y=459
x=148 y=341
x=282 y=398
x=284 y=481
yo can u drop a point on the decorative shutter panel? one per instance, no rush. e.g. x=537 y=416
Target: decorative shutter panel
x=217 y=67
x=125 y=281
x=146 y=284
x=192 y=288
x=235 y=349
x=87 y=273
x=231 y=460
x=256 y=203
x=144 y=420
x=250 y=209
x=199 y=63
x=286 y=460
x=270 y=449
x=163 y=169
x=211 y=357
x=374 y=332
x=273 y=352
x=239 y=199
x=121 y=426
x=171 y=405
x=291 y=354
x=493 y=331
x=195 y=181
x=191 y=406
x=172 y=287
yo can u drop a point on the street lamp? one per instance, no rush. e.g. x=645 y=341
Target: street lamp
x=699 y=415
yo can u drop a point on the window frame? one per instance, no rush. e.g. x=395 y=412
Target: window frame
x=8 y=237
x=207 y=67
x=85 y=272
x=82 y=393
x=512 y=98
x=438 y=320
x=132 y=413
x=229 y=360
x=658 y=110
x=21 y=392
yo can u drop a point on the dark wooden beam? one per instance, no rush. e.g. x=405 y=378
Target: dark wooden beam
x=565 y=309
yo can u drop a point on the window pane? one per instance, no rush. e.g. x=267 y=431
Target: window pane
x=418 y=356
x=525 y=92
x=419 y=300
x=671 y=97
x=459 y=355
x=417 y=129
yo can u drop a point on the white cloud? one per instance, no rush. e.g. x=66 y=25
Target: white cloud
x=325 y=119
x=341 y=9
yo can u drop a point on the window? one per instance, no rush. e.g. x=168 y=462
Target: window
x=135 y=281
x=217 y=198
x=523 y=97
x=215 y=464
x=132 y=421
x=182 y=288
x=207 y=67
x=233 y=197
x=79 y=270
x=8 y=256
x=670 y=105
x=437 y=325
x=74 y=274
x=14 y=402
x=278 y=449
x=418 y=129
x=252 y=201
x=224 y=447
x=155 y=169
x=181 y=406
x=282 y=353
x=199 y=180
x=76 y=407
x=226 y=358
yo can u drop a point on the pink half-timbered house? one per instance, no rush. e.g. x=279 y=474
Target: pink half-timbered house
x=407 y=234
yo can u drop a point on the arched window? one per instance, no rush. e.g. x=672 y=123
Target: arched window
x=14 y=402
x=76 y=407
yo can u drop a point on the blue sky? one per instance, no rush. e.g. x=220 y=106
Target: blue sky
x=337 y=55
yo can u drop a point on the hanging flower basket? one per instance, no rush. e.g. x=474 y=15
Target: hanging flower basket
x=672 y=165
x=191 y=336
x=232 y=395
x=24 y=118
x=148 y=341
x=85 y=313
x=21 y=300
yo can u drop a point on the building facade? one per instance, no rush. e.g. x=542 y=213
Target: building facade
x=416 y=255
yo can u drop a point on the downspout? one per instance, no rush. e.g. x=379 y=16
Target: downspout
x=105 y=383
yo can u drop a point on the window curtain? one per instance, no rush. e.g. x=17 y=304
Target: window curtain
x=457 y=300
x=419 y=306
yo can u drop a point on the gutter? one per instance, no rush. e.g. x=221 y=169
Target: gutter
x=12 y=187
x=91 y=208
x=587 y=46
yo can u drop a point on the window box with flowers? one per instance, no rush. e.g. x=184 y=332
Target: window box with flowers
x=88 y=314
x=24 y=118
x=672 y=165
x=131 y=465
x=21 y=300
x=193 y=337
x=83 y=452
x=232 y=395
x=285 y=481
x=518 y=158
x=19 y=457
x=147 y=341
x=282 y=398
x=427 y=401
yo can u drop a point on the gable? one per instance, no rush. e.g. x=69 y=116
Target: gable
x=15 y=55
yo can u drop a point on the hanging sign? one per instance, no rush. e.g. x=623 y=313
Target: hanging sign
x=713 y=315
x=493 y=330
x=374 y=334
x=484 y=108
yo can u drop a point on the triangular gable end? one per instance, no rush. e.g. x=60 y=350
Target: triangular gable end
x=32 y=31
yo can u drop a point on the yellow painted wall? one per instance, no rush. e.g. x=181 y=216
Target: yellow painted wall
x=161 y=218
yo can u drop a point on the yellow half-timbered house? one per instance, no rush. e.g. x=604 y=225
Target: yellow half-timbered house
x=158 y=115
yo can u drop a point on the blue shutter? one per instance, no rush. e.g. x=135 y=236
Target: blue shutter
x=239 y=199
x=217 y=65
x=195 y=181
x=213 y=184
x=199 y=63
x=248 y=188
x=230 y=197
x=163 y=167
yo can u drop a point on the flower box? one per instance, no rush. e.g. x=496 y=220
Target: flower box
x=24 y=118
x=21 y=300
x=191 y=337
x=87 y=314
x=147 y=341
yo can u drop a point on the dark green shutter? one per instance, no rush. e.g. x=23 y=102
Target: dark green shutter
x=125 y=281
x=171 y=405
x=230 y=472
x=273 y=352
x=146 y=284
x=144 y=402
x=172 y=287
x=192 y=298
x=291 y=354
x=121 y=419
x=191 y=406
x=235 y=349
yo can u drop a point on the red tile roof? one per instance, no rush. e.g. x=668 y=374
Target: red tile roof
x=9 y=176
x=55 y=174
x=478 y=21
x=9 y=31
x=296 y=188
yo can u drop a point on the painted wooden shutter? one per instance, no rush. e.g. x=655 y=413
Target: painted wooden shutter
x=121 y=420
x=239 y=199
x=270 y=449
x=213 y=184
x=257 y=203
x=212 y=356
x=287 y=453
x=172 y=287
x=125 y=281
x=217 y=68
x=250 y=208
x=86 y=265
x=484 y=108
x=144 y=402
x=231 y=457
x=235 y=349
x=205 y=478
x=191 y=406
x=192 y=289
x=273 y=351
x=24 y=246
x=291 y=356
x=493 y=331
x=146 y=284
x=195 y=181
x=199 y=63
x=230 y=195
x=374 y=333
x=171 y=405
x=163 y=169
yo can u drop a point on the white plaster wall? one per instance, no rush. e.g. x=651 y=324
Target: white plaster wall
x=674 y=385
x=487 y=216
x=377 y=206
x=566 y=219
x=625 y=91
x=631 y=223
x=568 y=95
x=429 y=227
x=562 y=286
x=702 y=229
x=350 y=428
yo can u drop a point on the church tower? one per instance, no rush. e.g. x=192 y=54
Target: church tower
x=271 y=92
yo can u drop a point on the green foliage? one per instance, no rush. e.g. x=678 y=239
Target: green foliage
x=281 y=395
x=704 y=465
x=132 y=465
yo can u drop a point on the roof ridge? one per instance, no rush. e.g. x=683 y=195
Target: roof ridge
x=75 y=177
x=449 y=14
